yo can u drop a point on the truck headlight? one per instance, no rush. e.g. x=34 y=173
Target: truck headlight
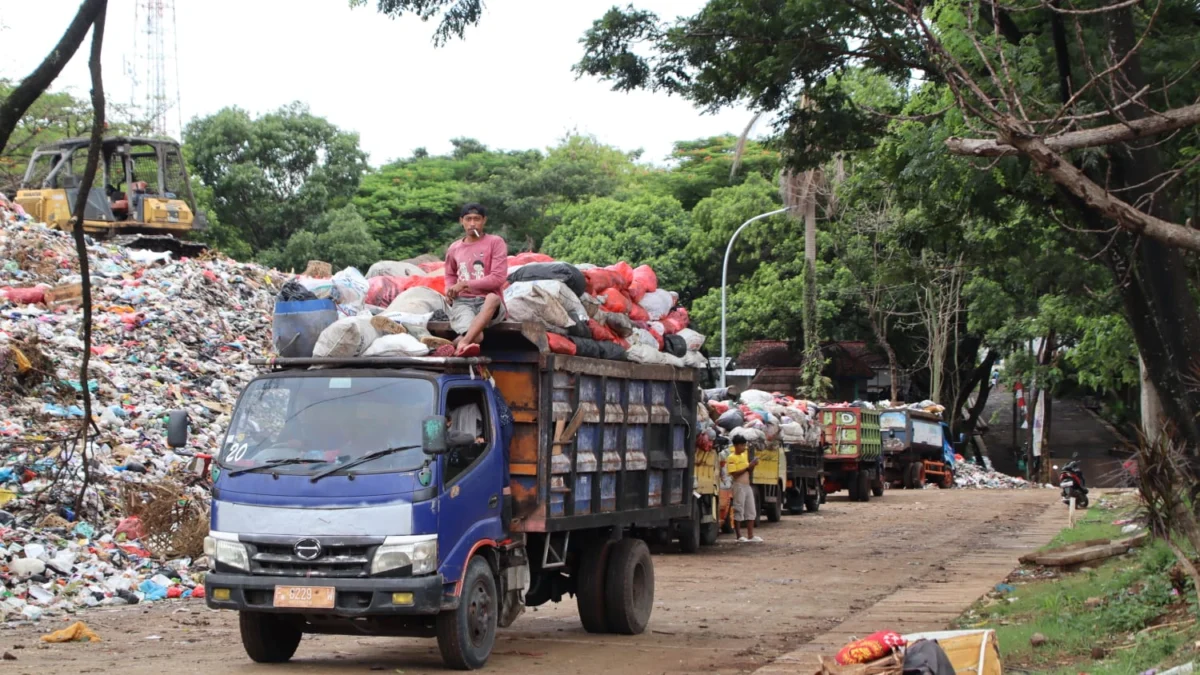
x=421 y=555
x=229 y=553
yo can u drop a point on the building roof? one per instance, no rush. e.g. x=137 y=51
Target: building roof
x=764 y=353
x=844 y=360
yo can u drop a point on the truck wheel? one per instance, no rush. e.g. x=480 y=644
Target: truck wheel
x=709 y=533
x=852 y=487
x=863 y=481
x=689 y=532
x=878 y=485
x=629 y=593
x=466 y=635
x=947 y=480
x=775 y=509
x=269 y=638
x=795 y=499
x=813 y=502
x=912 y=479
x=589 y=587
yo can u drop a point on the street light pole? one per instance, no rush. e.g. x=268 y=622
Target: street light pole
x=725 y=275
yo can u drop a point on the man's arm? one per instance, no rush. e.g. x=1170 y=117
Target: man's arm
x=451 y=268
x=498 y=266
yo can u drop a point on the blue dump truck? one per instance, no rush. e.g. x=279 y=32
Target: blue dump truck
x=347 y=500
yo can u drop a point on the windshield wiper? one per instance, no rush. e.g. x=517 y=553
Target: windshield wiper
x=277 y=462
x=362 y=460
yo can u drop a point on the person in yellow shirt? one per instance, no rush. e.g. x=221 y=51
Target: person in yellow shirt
x=738 y=465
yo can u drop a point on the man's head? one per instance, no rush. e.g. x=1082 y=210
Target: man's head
x=473 y=218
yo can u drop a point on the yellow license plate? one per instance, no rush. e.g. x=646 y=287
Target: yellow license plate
x=314 y=597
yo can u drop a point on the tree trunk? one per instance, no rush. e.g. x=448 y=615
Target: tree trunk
x=1150 y=406
x=893 y=366
x=37 y=82
x=1152 y=276
x=85 y=187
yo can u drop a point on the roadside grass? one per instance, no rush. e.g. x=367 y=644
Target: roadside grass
x=1129 y=606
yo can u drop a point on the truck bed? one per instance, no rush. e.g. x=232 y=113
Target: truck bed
x=595 y=442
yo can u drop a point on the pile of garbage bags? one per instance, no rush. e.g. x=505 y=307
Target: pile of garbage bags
x=970 y=475
x=616 y=312
x=167 y=334
x=762 y=419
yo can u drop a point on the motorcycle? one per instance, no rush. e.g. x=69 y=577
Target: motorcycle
x=1070 y=479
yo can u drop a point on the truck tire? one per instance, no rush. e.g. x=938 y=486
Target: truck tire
x=912 y=477
x=709 y=533
x=269 y=638
x=795 y=499
x=878 y=485
x=947 y=480
x=863 y=480
x=852 y=487
x=629 y=593
x=589 y=587
x=466 y=635
x=689 y=532
x=775 y=509
x=813 y=502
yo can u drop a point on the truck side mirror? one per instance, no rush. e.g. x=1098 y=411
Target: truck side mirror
x=433 y=435
x=177 y=428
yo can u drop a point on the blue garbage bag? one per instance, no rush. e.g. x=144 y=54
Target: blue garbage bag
x=152 y=591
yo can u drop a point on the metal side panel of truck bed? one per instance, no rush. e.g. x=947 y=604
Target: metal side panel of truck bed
x=596 y=443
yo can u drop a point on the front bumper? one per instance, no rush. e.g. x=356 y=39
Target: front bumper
x=352 y=597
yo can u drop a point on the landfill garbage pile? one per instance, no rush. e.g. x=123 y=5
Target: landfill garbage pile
x=166 y=334
x=970 y=475
x=616 y=312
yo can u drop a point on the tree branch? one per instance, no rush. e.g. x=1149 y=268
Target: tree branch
x=85 y=188
x=1087 y=138
x=1077 y=183
x=37 y=82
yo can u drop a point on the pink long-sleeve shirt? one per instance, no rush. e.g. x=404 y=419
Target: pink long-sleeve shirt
x=483 y=264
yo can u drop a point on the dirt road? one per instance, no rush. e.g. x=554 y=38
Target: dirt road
x=729 y=609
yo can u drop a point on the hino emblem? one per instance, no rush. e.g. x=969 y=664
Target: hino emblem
x=307 y=549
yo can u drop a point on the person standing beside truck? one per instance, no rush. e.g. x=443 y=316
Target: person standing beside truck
x=744 y=512
x=476 y=270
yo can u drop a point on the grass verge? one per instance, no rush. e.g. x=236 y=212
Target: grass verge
x=1121 y=617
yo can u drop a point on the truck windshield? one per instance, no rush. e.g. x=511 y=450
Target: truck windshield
x=891 y=420
x=332 y=420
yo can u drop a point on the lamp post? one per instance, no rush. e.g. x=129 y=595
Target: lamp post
x=725 y=275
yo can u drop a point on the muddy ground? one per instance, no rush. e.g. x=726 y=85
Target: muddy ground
x=729 y=609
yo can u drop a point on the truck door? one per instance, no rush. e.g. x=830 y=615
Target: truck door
x=473 y=479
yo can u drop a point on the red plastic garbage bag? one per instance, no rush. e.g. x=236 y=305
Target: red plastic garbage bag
x=636 y=292
x=174 y=592
x=432 y=266
x=382 y=290
x=719 y=407
x=599 y=281
x=601 y=332
x=638 y=313
x=676 y=321
x=560 y=344
x=528 y=258
x=617 y=302
x=25 y=296
x=622 y=268
x=646 y=278
x=131 y=527
x=198 y=592
x=873 y=647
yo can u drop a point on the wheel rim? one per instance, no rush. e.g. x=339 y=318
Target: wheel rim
x=479 y=613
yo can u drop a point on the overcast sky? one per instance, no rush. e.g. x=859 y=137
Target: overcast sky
x=509 y=84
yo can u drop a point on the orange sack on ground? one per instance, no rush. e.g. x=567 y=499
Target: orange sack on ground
x=874 y=646
x=76 y=632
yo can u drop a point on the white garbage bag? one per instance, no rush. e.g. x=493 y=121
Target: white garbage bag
x=658 y=304
x=350 y=291
x=528 y=301
x=641 y=353
x=394 y=268
x=418 y=300
x=346 y=337
x=400 y=344
x=694 y=340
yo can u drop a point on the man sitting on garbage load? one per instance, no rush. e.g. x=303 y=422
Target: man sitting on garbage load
x=476 y=269
x=738 y=465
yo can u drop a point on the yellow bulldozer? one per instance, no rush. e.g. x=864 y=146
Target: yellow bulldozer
x=142 y=198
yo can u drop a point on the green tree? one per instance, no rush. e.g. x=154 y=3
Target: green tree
x=340 y=237
x=644 y=229
x=274 y=175
x=707 y=164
